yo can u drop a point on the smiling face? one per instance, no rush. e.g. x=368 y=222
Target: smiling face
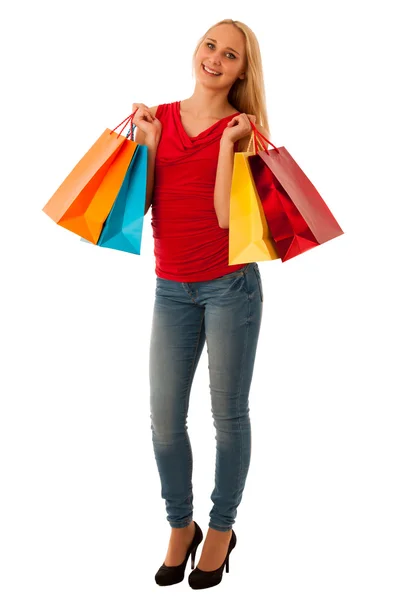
x=222 y=51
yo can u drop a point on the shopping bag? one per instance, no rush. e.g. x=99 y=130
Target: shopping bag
x=249 y=237
x=85 y=198
x=124 y=225
x=297 y=216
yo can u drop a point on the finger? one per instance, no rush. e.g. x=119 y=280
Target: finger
x=144 y=114
x=148 y=114
x=139 y=107
x=234 y=120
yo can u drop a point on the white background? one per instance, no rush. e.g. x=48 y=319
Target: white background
x=81 y=509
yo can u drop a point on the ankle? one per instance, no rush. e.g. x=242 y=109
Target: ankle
x=184 y=530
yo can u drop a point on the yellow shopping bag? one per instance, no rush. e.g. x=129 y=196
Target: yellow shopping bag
x=249 y=237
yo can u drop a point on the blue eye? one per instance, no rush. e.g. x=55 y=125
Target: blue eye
x=211 y=44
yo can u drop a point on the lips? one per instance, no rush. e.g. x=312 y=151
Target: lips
x=203 y=65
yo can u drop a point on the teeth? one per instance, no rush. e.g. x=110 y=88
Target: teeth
x=209 y=70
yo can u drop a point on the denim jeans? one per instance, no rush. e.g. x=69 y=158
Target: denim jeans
x=225 y=312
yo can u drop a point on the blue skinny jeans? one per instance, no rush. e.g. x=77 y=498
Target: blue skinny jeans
x=225 y=312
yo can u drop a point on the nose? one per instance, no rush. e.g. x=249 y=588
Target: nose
x=213 y=64
x=213 y=59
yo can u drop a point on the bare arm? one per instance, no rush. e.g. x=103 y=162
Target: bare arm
x=151 y=157
x=152 y=145
x=223 y=181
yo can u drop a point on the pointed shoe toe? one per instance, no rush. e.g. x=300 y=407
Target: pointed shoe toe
x=171 y=575
x=199 y=579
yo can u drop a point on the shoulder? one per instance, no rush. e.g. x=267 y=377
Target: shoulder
x=164 y=106
x=153 y=110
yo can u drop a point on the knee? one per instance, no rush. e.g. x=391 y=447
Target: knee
x=167 y=430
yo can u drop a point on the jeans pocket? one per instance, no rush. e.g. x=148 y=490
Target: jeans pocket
x=258 y=275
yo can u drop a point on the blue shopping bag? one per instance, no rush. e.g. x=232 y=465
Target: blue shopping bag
x=123 y=227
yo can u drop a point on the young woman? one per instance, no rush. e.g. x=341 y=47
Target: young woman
x=199 y=297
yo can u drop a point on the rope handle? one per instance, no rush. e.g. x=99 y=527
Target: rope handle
x=256 y=133
x=125 y=123
x=254 y=140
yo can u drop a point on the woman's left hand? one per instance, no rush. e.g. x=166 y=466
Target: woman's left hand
x=239 y=127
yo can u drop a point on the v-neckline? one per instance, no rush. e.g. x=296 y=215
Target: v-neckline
x=195 y=137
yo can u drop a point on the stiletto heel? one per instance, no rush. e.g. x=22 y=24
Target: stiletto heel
x=199 y=579
x=193 y=557
x=170 y=575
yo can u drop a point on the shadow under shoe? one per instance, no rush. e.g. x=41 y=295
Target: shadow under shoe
x=170 y=575
x=199 y=579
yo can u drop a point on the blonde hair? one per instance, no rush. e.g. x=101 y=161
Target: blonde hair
x=246 y=95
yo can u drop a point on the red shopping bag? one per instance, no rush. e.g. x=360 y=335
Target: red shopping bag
x=297 y=216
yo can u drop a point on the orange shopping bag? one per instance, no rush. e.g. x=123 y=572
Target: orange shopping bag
x=85 y=198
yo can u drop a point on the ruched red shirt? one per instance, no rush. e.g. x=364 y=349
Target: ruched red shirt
x=189 y=244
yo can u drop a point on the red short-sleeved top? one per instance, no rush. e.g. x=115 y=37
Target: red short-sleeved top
x=189 y=245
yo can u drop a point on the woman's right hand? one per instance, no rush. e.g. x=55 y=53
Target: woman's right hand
x=144 y=120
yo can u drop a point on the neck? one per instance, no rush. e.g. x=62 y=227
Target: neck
x=206 y=103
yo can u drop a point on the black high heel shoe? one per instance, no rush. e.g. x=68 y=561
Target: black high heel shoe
x=170 y=575
x=199 y=579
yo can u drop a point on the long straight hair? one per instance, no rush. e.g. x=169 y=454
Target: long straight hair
x=246 y=95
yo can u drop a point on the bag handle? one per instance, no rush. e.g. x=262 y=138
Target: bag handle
x=132 y=125
x=256 y=133
x=254 y=140
x=125 y=122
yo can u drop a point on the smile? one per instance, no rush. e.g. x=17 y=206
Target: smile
x=210 y=72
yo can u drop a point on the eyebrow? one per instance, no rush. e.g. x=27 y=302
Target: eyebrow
x=226 y=47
